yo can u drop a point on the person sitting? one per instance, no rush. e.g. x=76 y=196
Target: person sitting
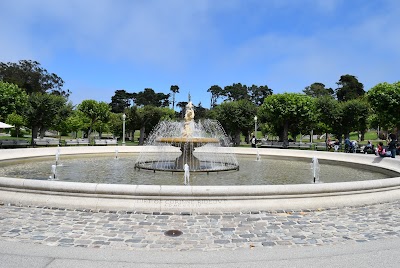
x=349 y=146
x=368 y=148
x=336 y=145
x=381 y=151
x=329 y=144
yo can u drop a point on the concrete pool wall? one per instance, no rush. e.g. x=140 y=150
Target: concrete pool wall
x=199 y=199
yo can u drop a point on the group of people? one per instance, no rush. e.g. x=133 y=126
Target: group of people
x=391 y=149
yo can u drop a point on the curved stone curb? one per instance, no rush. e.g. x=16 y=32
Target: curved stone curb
x=165 y=198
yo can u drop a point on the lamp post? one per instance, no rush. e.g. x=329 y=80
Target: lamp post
x=123 y=129
x=255 y=128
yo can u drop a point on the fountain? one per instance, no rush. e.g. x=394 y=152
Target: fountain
x=53 y=172
x=315 y=168
x=202 y=145
x=196 y=148
x=57 y=155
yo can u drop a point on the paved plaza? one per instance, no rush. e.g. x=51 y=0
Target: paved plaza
x=200 y=232
x=364 y=236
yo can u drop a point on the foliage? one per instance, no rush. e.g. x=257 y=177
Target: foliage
x=75 y=122
x=149 y=97
x=149 y=118
x=235 y=92
x=355 y=115
x=31 y=77
x=43 y=110
x=120 y=101
x=329 y=114
x=94 y=112
x=174 y=89
x=385 y=104
x=349 y=88
x=216 y=92
x=289 y=112
x=12 y=99
x=235 y=117
x=259 y=93
x=115 y=124
x=16 y=120
x=318 y=90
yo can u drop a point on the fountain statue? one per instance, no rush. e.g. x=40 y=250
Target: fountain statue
x=203 y=145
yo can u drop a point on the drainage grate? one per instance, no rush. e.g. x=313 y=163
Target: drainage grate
x=173 y=233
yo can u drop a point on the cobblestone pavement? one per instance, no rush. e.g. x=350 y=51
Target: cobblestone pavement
x=204 y=232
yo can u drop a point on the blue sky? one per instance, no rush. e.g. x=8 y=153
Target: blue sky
x=99 y=46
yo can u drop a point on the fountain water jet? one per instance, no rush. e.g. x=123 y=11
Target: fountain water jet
x=315 y=169
x=203 y=146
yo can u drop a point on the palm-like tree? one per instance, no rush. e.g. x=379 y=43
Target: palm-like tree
x=174 y=89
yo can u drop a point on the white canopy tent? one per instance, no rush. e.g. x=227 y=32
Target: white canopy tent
x=4 y=125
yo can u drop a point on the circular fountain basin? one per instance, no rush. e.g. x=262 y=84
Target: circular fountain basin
x=179 y=198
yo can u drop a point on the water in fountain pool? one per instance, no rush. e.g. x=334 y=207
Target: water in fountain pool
x=106 y=168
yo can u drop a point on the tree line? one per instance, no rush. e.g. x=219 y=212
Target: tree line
x=32 y=97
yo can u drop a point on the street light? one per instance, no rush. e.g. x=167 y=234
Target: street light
x=255 y=128
x=123 y=129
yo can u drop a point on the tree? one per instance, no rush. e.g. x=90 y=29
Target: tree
x=349 y=88
x=149 y=116
x=60 y=121
x=75 y=122
x=200 y=111
x=31 y=77
x=384 y=99
x=289 y=110
x=216 y=92
x=95 y=112
x=235 y=117
x=17 y=121
x=149 y=97
x=12 y=99
x=174 y=89
x=355 y=115
x=328 y=112
x=182 y=106
x=115 y=124
x=259 y=93
x=236 y=92
x=42 y=111
x=317 y=90
x=120 y=101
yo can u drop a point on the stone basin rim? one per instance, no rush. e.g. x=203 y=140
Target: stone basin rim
x=200 y=198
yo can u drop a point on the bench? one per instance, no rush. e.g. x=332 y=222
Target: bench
x=300 y=145
x=14 y=143
x=47 y=142
x=271 y=144
x=83 y=141
x=71 y=142
x=100 y=142
x=112 y=142
x=105 y=142
x=320 y=146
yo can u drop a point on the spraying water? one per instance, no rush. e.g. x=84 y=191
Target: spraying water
x=57 y=155
x=258 y=158
x=116 y=153
x=202 y=145
x=187 y=174
x=53 y=172
x=315 y=169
